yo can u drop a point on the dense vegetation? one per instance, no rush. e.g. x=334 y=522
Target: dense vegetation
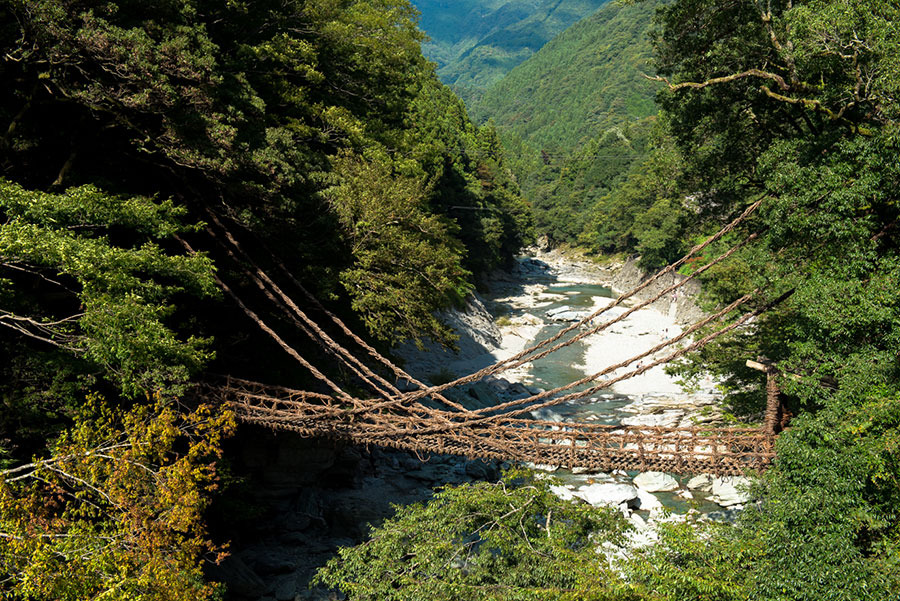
x=794 y=103
x=576 y=116
x=318 y=127
x=510 y=539
x=477 y=42
x=314 y=126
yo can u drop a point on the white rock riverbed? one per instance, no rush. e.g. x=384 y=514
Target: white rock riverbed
x=657 y=398
x=316 y=499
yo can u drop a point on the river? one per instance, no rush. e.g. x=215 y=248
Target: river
x=528 y=309
x=308 y=497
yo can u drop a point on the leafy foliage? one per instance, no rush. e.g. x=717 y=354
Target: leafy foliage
x=405 y=260
x=510 y=540
x=646 y=212
x=825 y=526
x=590 y=75
x=114 y=513
x=247 y=106
x=795 y=103
x=120 y=295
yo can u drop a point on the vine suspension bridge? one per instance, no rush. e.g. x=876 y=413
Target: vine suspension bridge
x=427 y=421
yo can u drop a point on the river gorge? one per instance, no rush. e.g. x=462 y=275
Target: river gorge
x=310 y=497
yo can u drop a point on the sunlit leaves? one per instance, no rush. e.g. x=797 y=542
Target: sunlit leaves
x=122 y=294
x=405 y=261
x=513 y=540
x=116 y=511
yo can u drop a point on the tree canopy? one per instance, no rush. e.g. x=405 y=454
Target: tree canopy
x=318 y=132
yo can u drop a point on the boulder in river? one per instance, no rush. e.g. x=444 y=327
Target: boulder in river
x=730 y=490
x=563 y=492
x=648 y=502
x=655 y=482
x=609 y=494
x=553 y=312
x=566 y=313
x=702 y=482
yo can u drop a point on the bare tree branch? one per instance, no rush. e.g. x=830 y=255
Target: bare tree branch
x=725 y=79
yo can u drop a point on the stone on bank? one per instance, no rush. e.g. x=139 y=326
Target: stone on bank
x=655 y=482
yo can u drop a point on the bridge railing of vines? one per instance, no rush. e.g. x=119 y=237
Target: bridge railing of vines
x=425 y=420
x=597 y=447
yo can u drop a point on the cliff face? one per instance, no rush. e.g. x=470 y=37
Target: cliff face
x=681 y=305
x=478 y=336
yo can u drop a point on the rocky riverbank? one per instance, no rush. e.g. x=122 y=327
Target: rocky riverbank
x=309 y=499
x=535 y=296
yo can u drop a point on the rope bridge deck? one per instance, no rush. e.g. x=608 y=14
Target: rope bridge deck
x=406 y=420
x=690 y=450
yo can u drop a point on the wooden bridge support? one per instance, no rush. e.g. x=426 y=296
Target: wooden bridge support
x=776 y=415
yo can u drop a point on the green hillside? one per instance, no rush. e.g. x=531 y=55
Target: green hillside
x=577 y=115
x=585 y=80
x=476 y=42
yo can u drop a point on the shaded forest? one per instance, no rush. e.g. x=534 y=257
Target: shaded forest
x=319 y=135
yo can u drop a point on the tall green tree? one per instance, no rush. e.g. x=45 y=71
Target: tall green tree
x=796 y=103
x=510 y=540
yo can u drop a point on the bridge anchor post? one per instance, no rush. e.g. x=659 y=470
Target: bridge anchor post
x=775 y=415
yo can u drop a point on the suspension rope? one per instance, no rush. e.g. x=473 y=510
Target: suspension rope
x=344 y=396
x=606 y=325
x=450 y=420
x=607 y=383
x=521 y=357
x=304 y=323
x=260 y=274
x=501 y=366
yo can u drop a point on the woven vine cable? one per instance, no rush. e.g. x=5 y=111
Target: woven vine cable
x=624 y=315
x=306 y=325
x=504 y=365
x=287 y=300
x=508 y=363
x=392 y=426
x=389 y=427
x=674 y=340
x=344 y=396
x=335 y=411
x=607 y=383
x=594 y=330
x=548 y=393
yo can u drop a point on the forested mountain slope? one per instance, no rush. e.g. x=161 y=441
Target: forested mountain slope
x=574 y=116
x=585 y=80
x=476 y=42
x=321 y=137
x=787 y=113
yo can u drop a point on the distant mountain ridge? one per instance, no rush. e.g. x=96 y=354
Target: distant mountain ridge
x=587 y=79
x=577 y=116
x=476 y=42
